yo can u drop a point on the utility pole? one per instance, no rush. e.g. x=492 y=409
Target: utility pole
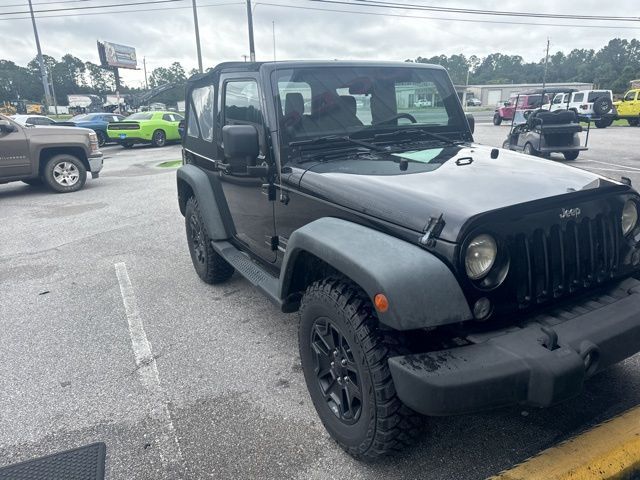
x=53 y=92
x=546 y=61
x=43 y=69
x=195 y=24
x=252 y=48
x=144 y=64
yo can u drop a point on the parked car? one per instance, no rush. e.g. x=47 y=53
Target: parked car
x=432 y=275
x=629 y=107
x=98 y=122
x=422 y=103
x=33 y=120
x=592 y=105
x=59 y=157
x=156 y=128
x=473 y=102
x=525 y=101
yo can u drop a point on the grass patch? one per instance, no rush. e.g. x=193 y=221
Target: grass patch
x=171 y=164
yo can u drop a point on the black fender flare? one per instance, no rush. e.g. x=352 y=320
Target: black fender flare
x=422 y=290
x=206 y=188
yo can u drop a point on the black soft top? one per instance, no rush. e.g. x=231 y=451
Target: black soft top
x=232 y=67
x=550 y=90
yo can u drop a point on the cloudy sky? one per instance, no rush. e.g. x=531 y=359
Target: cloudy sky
x=163 y=32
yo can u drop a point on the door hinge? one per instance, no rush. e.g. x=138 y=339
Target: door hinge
x=432 y=231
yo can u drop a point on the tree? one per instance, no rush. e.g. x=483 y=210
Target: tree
x=161 y=75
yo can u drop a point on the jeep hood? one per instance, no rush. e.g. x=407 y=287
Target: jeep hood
x=461 y=183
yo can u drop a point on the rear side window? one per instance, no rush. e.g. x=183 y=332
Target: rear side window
x=168 y=117
x=242 y=104
x=201 y=113
x=630 y=96
x=578 y=97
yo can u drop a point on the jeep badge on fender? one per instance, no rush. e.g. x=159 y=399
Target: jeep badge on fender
x=423 y=286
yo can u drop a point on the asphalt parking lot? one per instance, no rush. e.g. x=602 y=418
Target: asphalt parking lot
x=222 y=394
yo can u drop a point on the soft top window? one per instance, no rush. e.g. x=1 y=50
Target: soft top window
x=597 y=94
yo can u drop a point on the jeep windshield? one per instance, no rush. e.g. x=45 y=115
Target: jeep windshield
x=364 y=102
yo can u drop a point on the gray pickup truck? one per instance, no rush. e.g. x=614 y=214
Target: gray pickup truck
x=59 y=157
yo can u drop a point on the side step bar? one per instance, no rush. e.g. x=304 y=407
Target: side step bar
x=250 y=270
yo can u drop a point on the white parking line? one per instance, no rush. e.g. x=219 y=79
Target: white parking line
x=168 y=445
x=625 y=167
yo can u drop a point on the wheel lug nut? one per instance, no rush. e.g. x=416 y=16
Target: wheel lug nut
x=343 y=362
x=333 y=364
x=346 y=379
x=339 y=380
x=335 y=353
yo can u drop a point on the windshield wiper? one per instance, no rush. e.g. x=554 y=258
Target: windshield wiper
x=415 y=132
x=344 y=138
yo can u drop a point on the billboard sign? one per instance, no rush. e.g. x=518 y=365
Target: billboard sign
x=114 y=55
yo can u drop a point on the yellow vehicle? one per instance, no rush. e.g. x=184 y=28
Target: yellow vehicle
x=629 y=107
x=7 y=109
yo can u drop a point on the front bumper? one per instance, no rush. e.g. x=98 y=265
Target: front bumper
x=95 y=163
x=525 y=364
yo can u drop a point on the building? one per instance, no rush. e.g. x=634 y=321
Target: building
x=492 y=95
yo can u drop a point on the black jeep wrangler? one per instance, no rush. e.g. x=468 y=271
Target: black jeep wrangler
x=432 y=275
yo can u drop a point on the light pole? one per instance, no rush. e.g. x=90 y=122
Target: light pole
x=195 y=23
x=43 y=69
x=252 y=48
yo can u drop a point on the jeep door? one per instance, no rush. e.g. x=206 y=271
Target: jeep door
x=629 y=106
x=251 y=211
x=14 y=152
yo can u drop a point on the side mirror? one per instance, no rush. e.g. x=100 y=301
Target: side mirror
x=6 y=126
x=241 y=147
x=471 y=121
x=507 y=104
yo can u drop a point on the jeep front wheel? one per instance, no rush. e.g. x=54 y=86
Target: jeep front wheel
x=64 y=173
x=209 y=265
x=497 y=119
x=344 y=360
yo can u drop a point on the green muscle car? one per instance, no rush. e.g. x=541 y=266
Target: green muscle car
x=156 y=128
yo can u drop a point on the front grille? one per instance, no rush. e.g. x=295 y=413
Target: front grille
x=574 y=255
x=123 y=126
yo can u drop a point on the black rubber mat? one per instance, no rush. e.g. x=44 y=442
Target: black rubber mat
x=84 y=463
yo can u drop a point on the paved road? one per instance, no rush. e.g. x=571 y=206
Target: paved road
x=222 y=395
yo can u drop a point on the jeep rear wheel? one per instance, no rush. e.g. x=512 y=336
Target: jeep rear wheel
x=159 y=138
x=344 y=360
x=570 y=156
x=209 y=265
x=603 y=122
x=633 y=122
x=497 y=119
x=64 y=173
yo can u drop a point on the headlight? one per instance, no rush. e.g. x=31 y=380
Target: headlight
x=629 y=217
x=480 y=256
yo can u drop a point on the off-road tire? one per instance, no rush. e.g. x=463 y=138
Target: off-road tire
x=602 y=105
x=34 y=182
x=159 y=138
x=497 y=119
x=385 y=424
x=633 y=122
x=603 y=123
x=570 y=156
x=102 y=138
x=53 y=173
x=126 y=144
x=208 y=263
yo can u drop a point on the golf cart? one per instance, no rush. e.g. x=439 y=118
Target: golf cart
x=541 y=131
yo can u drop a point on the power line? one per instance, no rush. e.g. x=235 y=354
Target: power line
x=44 y=3
x=88 y=7
x=470 y=11
x=112 y=12
x=446 y=19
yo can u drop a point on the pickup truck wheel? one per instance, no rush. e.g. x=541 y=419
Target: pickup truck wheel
x=344 y=360
x=159 y=138
x=209 y=265
x=64 y=173
x=497 y=119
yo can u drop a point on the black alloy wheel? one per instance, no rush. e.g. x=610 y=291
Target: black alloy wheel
x=336 y=371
